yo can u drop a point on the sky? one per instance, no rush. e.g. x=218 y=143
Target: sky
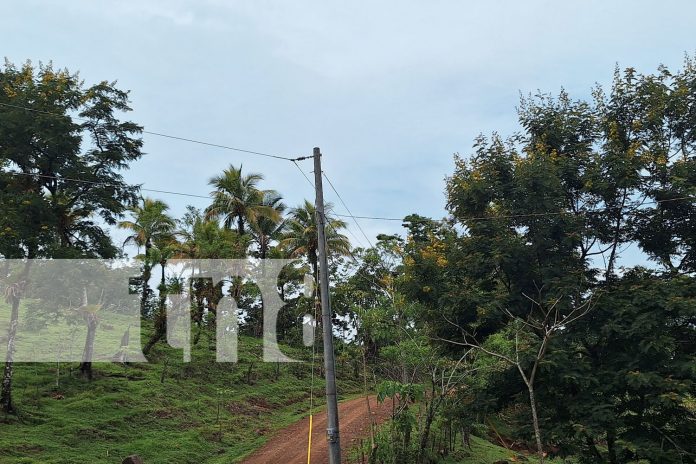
x=389 y=90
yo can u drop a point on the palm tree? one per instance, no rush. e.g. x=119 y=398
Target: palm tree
x=265 y=229
x=163 y=250
x=237 y=198
x=300 y=238
x=206 y=239
x=150 y=224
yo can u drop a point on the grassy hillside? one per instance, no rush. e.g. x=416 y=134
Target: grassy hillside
x=168 y=411
x=203 y=411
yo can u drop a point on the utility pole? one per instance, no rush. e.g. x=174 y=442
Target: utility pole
x=327 y=326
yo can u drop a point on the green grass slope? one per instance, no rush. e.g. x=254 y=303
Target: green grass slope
x=203 y=412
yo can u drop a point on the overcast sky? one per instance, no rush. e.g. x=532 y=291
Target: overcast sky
x=388 y=89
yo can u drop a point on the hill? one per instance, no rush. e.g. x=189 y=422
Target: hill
x=166 y=411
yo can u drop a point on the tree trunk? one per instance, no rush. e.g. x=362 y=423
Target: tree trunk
x=86 y=365
x=197 y=290
x=426 y=429
x=163 y=287
x=160 y=317
x=617 y=232
x=14 y=296
x=316 y=299
x=429 y=417
x=263 y=246
x=160 y=323
x=258 y=323
x=157 y=336
x=147 y=273
x=240 y=225
x=611 y=446
x=593 y=448
x=367 y=401
x=535 y=422
x=197 y=335
x=6 y=395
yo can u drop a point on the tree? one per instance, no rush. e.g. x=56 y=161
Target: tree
x=300 y=238
x=201 y=238
x=268 y=228
x=238 y=199
x=150 y=224
x=524 y=345
x=165 y=247
x=626 y=373
x=538 y=224
x=54 y=130
x=90 y=315
x=13 y=296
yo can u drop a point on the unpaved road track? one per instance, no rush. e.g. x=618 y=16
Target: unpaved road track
x=289 y=446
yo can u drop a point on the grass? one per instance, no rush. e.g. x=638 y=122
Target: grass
x=63 y=418
x=128 y=410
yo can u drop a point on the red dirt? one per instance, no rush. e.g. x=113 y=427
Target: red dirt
x=289 y=446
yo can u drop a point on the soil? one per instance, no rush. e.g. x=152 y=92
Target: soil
x=289 y=446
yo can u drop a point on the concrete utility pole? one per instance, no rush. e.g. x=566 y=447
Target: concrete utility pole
x=327 y=326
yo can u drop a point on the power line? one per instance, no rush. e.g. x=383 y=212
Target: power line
x=331 y=209
x=312 y=184
x=105 y=184
x=340 y=198
x=169 y=192
x=474 y=218
x=329 y=224
x=294 y=161
x=303 y=173
x=330 y=212
x=358 y=271
x=370 y=217
x=524 y=215
x=225 y=147
x=168 y=136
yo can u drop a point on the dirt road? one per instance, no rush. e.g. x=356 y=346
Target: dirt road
x=289 y=446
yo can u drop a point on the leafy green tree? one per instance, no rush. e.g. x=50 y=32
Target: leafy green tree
x=541 y=220
x=626 y=374
x=53 y=130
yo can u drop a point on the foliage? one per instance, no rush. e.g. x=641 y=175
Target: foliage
x=237 y=198
x=71 y=132
x=628 y=372
x=300 y=237
x=538 y=225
